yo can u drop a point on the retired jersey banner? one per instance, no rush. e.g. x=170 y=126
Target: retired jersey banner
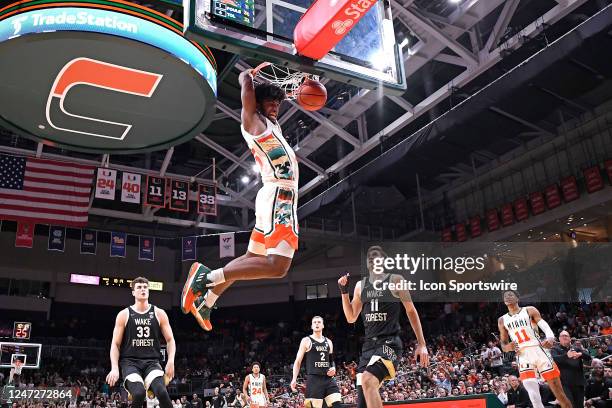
x=507 y=216
x=447 y=235
x=569 y=187
x=492 y=220
x=207 y=199
x=520 y=209
x=226 y=245
x=57 y=238
x=593 y=179
x=146 y=248
x=24 y=238
x=475 y=229
x=156 y=192
x=179 y=195
x=553 y=198
x=105 y=184
x=89 y=241
x=460 y=231
x=117 y=244
x=189 y=248
x=130 y=188
x=537 y=202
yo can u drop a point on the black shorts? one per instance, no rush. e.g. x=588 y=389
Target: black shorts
x=320 y=386
x=389 y=349
x=141 y=367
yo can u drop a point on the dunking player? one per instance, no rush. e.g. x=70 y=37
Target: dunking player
x=320 y=368
x=136 y=349
x=380 y=311
x=15 y=374
x=521 y=325
x=275 y=236
x=254 y=387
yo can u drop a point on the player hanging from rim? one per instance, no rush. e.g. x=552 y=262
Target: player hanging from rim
x=275 y=236
x=380 y=311
x=15 y=373
x=254 y=387
x=518 y=331
x=320 y=368
x=136 y=348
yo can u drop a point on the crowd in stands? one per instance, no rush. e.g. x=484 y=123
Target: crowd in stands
x=465 y=359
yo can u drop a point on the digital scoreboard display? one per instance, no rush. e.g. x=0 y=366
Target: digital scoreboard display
x=235 y=11
x=22 y=330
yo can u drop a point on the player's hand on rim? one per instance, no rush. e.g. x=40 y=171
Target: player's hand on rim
x=112 y=377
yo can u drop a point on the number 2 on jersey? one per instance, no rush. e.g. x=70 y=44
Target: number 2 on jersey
x=525 y=338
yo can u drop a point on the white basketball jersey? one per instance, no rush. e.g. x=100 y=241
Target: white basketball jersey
x=276 y=159
x=256 y=389
x=521 y=330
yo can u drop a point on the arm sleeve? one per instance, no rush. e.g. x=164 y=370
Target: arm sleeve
x=546 y=329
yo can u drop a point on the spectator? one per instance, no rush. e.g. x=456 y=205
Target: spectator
x=196 y=402
x=502 y=394
x=494 y=355
x=596 y=393
x=517 y=394
x=218 y=400
x=570 y=362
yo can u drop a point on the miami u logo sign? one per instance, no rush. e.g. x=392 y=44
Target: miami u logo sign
x=86 y=71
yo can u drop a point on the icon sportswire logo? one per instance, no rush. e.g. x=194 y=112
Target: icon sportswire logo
x=90 y=72
x=351 y=15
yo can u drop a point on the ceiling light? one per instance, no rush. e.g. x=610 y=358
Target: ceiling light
x=245 y=179
x=255 y=168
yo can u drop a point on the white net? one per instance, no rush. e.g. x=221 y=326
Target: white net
x=287 y=79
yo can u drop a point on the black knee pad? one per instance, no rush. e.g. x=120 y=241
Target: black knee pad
x=361 y=401
x=159 y=389
x=378 y=370
x=137 y=392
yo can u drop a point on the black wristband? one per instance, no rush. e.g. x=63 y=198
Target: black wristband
x=343 y=288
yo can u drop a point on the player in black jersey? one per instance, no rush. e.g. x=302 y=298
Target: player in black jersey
x=320 y=368
x=136 y=348
x=380 y=309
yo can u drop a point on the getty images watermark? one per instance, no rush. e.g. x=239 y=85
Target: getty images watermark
x=403 y=264
x=477 y=272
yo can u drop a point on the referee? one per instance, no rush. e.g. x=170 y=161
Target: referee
x=570 y=362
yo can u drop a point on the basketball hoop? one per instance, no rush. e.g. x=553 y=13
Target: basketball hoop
x=283 y=77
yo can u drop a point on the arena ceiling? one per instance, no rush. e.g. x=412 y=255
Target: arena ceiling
x=454 y=49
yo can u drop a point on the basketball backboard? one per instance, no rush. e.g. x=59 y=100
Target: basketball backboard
x=28 y=353
x=368 y=56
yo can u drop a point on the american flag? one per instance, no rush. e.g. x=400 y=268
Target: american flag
x=44 y=191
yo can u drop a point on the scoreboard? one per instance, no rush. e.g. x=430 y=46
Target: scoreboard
x=235 y=11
